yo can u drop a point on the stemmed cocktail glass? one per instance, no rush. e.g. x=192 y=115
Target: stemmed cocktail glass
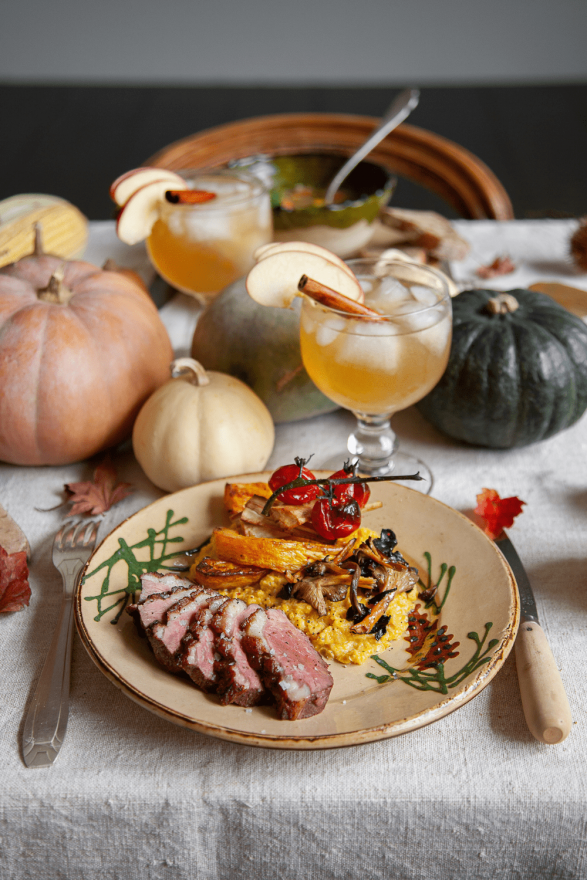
x=201 y=248
x=376 y=367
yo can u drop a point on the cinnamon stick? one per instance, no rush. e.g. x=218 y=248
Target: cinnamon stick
x=189 y=196
x=334 y=300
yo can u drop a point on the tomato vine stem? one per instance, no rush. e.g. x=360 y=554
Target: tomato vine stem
x=298 y=483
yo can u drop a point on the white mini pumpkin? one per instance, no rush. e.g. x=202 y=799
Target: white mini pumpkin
x=201 y=426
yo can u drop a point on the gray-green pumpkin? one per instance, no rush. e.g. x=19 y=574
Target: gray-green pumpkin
x=517 y=371
x=260 y=346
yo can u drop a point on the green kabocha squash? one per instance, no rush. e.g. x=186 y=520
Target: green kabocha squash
x=517 y=371
x=261 y=347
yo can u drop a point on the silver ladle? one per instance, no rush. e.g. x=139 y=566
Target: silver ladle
x=399 y=109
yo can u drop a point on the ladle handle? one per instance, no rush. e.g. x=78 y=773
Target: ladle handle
x=399 y=109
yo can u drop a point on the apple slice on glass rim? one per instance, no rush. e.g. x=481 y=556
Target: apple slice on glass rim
x=127 y=184
x=274 y=280
x=140 y=212
x=277 y=247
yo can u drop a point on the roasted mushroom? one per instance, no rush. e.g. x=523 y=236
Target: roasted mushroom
x=323 y=580
x=373 y=567
x=365 y=625
x=314 y=591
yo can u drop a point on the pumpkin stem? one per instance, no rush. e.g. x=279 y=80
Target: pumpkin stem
x=38 y=245
x=190 y=370
x=56 y=291
x=502 y=304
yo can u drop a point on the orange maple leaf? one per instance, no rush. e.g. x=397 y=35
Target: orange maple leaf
x=98 y=495
x=500 y=266
x=498 y=513
x=15 y=591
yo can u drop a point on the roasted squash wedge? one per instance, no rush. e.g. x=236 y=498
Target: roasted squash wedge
x=271 y=553
x=220 y=575
x=236 y=495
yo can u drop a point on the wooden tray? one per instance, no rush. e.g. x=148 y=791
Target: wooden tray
x=455 y=174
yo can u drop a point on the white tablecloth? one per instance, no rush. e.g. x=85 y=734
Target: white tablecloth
x=471 y=796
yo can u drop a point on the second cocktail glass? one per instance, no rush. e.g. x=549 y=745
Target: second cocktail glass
x=201 y=248
x=376 y=368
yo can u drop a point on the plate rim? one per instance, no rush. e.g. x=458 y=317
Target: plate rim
x=319 y=741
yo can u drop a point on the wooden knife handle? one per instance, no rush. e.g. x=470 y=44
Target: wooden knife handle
x=544 y=700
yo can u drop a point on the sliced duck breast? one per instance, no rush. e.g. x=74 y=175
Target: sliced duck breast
x=237 y=680
x=165 y=638
x=199 y=656
x=159 y=582
x=156 y=584
x=287 y=663
x=155 y=607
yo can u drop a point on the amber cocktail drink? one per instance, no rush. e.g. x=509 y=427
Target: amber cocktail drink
x=201 y=248
x=376 y=368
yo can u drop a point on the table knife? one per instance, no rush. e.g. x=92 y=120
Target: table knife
x=544 y=700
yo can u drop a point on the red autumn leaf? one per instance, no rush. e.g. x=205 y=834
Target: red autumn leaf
x=498 y=513
x=15 y=592
x=97 y=495
x=500 y=266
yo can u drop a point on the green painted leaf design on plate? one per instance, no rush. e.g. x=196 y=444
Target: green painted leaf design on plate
x=436 y=680
x=156 y=543
x=431 y=646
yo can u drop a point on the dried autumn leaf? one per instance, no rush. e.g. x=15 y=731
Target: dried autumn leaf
x=500 y=266
x=15 y=591
x=498 y=513
x=97 y=495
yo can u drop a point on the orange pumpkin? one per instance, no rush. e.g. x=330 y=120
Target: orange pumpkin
x=80 y=350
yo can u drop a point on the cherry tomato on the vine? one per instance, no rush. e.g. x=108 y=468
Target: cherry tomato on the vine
x=286 y=474
x=359 y=492
x=334 y=521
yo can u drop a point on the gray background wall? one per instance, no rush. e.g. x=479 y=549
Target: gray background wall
x=275 y=42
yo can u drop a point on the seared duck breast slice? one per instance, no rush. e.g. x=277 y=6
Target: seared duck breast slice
x=166 y=637
x=237 y=680
x=155 y=607
x=287 y=663
x=157 y=584
x=199 y=656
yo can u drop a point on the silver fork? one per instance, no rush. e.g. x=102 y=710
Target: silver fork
x=46 y=719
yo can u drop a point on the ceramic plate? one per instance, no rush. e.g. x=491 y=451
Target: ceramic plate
x=480 y=612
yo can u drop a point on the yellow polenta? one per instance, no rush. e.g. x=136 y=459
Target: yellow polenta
x=330 y=634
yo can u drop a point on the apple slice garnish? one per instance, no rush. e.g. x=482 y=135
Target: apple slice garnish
x=140 y=212
x=274 y=280
x=127 y=184
x=276 y=247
